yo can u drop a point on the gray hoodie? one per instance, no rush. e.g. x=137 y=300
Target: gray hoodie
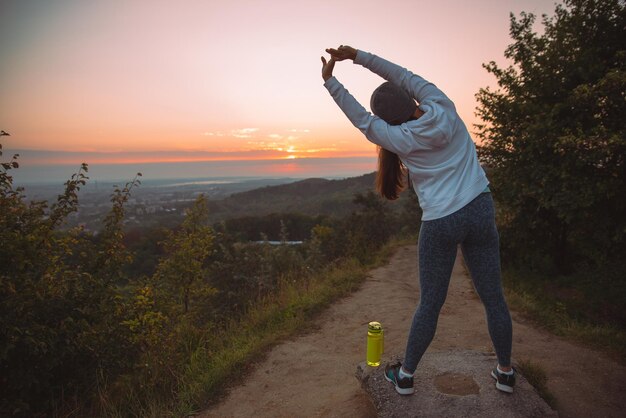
x=436 y=148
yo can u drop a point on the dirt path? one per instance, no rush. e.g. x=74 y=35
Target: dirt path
x=313 y=375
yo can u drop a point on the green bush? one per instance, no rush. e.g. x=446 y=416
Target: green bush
x=61 y=310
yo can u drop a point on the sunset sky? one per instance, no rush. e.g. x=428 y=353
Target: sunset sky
x=144 y=81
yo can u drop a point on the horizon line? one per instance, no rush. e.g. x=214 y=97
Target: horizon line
x=41 y=157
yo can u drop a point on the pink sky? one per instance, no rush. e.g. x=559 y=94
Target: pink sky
x=229 y=78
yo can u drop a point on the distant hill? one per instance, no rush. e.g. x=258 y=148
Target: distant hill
x=313 y=197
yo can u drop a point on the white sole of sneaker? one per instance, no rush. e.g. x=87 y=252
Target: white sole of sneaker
x=503 y=388
x=401 y=391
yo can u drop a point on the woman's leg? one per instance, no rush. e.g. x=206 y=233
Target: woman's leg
x=481 y=250
x=437 y=250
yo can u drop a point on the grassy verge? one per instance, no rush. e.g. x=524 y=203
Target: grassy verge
x=563 y=312
x=223 y=354
x=537 y=377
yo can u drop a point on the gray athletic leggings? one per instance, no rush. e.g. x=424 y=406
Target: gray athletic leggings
x=474 y=228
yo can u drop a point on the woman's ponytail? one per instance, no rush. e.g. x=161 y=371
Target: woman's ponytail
x=395 y=106
x=391 y=175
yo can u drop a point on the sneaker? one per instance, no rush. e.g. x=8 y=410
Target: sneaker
x=504 y=382
x=404 y=386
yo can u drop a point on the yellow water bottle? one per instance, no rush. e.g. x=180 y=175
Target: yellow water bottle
x=374 y=343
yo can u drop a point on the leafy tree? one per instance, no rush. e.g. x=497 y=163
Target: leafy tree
x=143 y=242
x=409 y=218
x=284 y=232
x=367 y=229
x=60 y=313
x=113 y=256
x=182 y=273
x=249 y=228
x=323 y=246
x=553 y=136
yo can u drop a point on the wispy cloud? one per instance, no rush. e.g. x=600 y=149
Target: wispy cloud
x=236 y=133
x=319 y=150
x=255 y=132
x=244 y=133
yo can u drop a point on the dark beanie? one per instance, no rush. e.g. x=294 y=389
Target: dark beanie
x=392 y=104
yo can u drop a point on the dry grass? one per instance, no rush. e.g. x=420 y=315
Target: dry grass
x=536 y=376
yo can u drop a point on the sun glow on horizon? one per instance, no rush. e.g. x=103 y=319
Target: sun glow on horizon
x=47 y=158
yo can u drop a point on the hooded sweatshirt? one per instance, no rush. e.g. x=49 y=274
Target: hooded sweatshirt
x=437 y=149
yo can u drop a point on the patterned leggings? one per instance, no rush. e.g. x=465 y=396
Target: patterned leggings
x=474 y=228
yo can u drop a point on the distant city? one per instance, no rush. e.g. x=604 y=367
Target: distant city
x=154 y=202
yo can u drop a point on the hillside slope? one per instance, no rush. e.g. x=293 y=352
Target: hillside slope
x=313 y=197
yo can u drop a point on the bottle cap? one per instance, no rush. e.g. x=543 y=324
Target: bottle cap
x=374 y=327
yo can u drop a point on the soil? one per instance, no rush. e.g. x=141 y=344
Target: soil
x=313 y=375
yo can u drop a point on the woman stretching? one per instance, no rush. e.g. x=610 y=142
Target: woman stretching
x=431 y=142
